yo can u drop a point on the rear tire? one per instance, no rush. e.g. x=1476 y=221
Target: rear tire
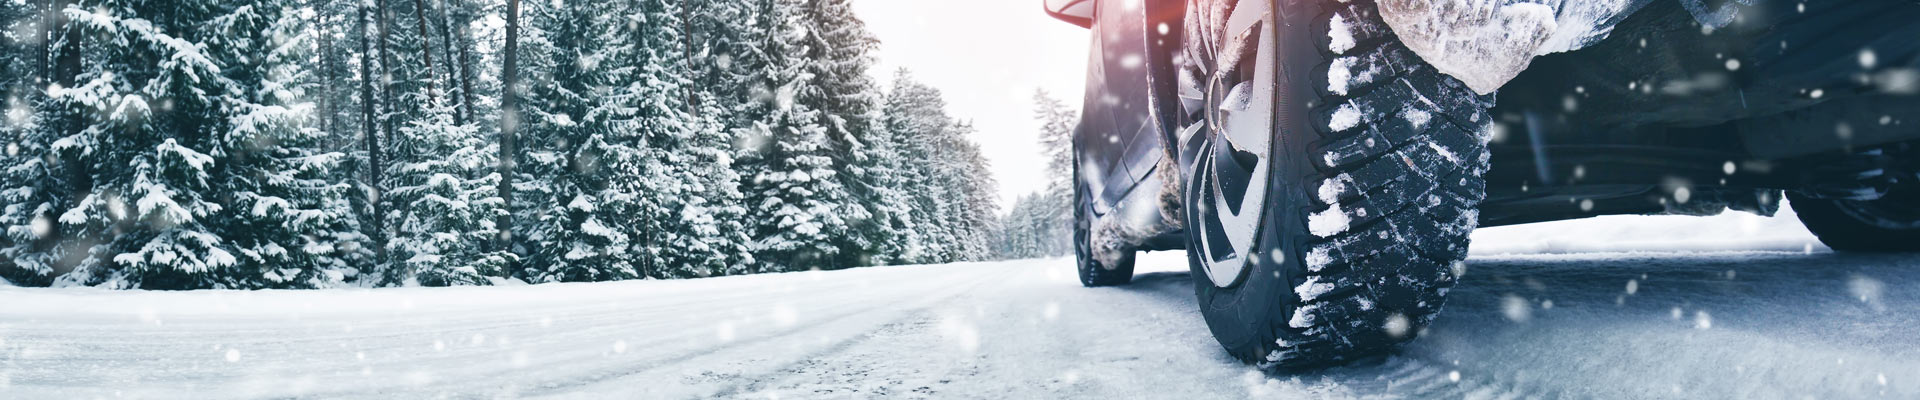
x=1890 y=224
x=1325 y=221
x=1092 y=272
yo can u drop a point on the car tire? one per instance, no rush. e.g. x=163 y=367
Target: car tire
x=1350 y=173
x=1093 y=273
x=1889 y=224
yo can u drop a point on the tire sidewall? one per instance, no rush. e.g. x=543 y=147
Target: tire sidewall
x=1248 y=317
x=1842 y=231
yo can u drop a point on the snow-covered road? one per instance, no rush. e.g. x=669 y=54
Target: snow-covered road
x=1597 y=325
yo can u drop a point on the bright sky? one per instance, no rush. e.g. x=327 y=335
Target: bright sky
x=986 y=57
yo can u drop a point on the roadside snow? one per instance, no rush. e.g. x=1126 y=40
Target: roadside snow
x=1732 y=230
x=1597 y=325
x=1022 y=329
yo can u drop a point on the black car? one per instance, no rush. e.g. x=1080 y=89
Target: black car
x=1324 y=161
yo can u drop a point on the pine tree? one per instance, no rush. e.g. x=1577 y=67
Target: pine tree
x=698 y=230
x=892 y=229
x=318 y=143
x=719 y=52
x=1027 y=230
x=187 y=154
x=510 y=120
x=914 y=116
x=974 y=211
x=18 y=28
x=952 y=201
x=445 y=201
x=25 y=258
x=838 y=55
x=583 y=161
x=1057 y=123
x=796 y=202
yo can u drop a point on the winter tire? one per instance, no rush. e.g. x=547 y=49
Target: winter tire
x=1093 y=273
x=1331 y=179
x=1889 y=224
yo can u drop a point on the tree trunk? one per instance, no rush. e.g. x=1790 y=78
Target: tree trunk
x=466 y=63
x=66 y=64
x=324 y=46
x=446 y=53
x=426 y=46
x=686 y=56
x=63 y=70
x=45 y=45
x=509 y=123
x=371 y=136
x=389 y=108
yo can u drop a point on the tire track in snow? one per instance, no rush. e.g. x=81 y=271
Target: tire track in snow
x=741 y=358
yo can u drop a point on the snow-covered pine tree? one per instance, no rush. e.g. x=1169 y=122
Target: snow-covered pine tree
x=18 y=30
x=444 y=203
x=186 y=142
x=697 y=230
x=25 y=258
x=717 y=54
x=331 y=84
x=796 y=203
x=975 y=211
x=582 y=162
x=281 y=170
x=1057 y=122
x=914 y=116
x=838 y=54
x=892 y=228
x=1018 y=237
x=720 y=48
x=951 y=192
x=704 y=233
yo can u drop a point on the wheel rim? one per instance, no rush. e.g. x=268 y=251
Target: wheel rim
x=1227 y=90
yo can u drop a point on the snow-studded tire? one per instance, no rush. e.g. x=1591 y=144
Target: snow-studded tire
x=1092 y=272
x=1889 y=224
x=1359 y=172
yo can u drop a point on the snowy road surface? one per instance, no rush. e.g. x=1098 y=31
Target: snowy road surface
x=1683 y=325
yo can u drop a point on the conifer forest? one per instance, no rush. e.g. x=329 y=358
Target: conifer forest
x=250 y=144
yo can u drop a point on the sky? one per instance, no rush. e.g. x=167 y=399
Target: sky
x=987 y=57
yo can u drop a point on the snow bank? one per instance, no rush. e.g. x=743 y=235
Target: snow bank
x=1633 y=233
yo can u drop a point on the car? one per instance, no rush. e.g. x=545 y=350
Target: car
x=1323 y=162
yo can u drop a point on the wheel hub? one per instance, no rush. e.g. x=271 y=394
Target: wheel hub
x=1228 y=147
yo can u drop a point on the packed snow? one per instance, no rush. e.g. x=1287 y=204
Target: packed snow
x=1486 y=43
x=1329 y=222
x=1333 y=220
x=1346 y=117
x=1638 y=307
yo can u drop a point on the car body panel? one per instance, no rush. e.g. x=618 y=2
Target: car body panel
x=1117 y=137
